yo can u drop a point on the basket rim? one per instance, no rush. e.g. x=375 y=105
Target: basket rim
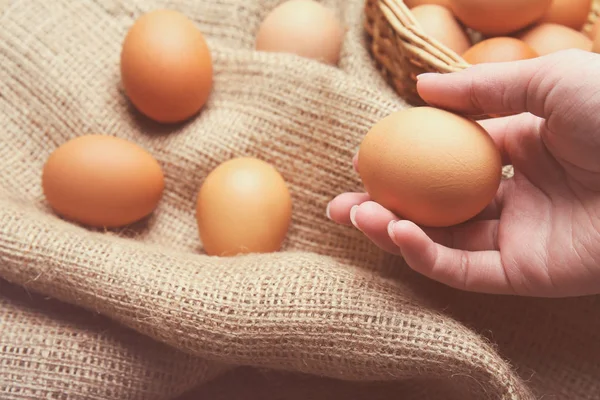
x=402 y=21
x=418 y=44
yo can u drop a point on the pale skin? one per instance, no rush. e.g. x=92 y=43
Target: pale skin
x=540 y=236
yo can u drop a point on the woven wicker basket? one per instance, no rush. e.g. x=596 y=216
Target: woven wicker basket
x=403 y=50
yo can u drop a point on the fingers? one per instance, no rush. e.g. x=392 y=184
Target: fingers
x=472 y=236
x=338 y=210
x=519 y=139
x=373 y=219
x=493 y=210
x=479 y=271
x=504 y=129
x=530 y=156
x=495 y=88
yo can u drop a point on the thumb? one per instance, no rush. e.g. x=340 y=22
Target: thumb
x=498 y=88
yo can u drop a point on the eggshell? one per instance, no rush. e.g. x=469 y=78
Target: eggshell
x=549 y=38
x=430 y=166
x=499 y=49
x=102 y=181
x=439 y=23
x=571 y=13
x=415 y=3
x=166 y=66
x=499 y=17
x=302 y=27
x=243 y=206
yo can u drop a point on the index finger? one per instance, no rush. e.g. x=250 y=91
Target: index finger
x=494 y=88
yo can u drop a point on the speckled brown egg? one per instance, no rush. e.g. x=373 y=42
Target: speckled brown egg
x=430 y=166
x=102 y=181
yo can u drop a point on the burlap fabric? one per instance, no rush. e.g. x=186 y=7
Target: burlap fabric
x=141 y=313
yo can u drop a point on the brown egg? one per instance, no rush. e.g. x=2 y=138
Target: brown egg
x=166 y=66
x=549 y=38
x=243 y=206
x=499 y=49
x=302 y=27
x=571 y=13
x=499 y=17
x=415 y=3
x=430 y=166
x=439 y=23
x=102 y=181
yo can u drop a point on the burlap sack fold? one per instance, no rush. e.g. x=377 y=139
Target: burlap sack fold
x=330 y=306
x=54 y=350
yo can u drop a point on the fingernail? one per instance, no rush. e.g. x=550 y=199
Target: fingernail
x=425 y=74
x=327 y=212
x=390 y=230
x=353 y=211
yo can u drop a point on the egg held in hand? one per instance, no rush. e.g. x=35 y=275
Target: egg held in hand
x=244 y=206
x=102 y=181
x=166 y=66
x=430 y=166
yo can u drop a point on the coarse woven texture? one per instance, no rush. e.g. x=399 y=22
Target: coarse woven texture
x=68 y=347
x=328 y=316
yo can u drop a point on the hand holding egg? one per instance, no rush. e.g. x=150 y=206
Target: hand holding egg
x=535 y=224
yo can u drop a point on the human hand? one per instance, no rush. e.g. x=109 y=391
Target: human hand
x=540 y=236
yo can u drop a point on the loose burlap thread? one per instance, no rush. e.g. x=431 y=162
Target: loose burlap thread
x=142 y=313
